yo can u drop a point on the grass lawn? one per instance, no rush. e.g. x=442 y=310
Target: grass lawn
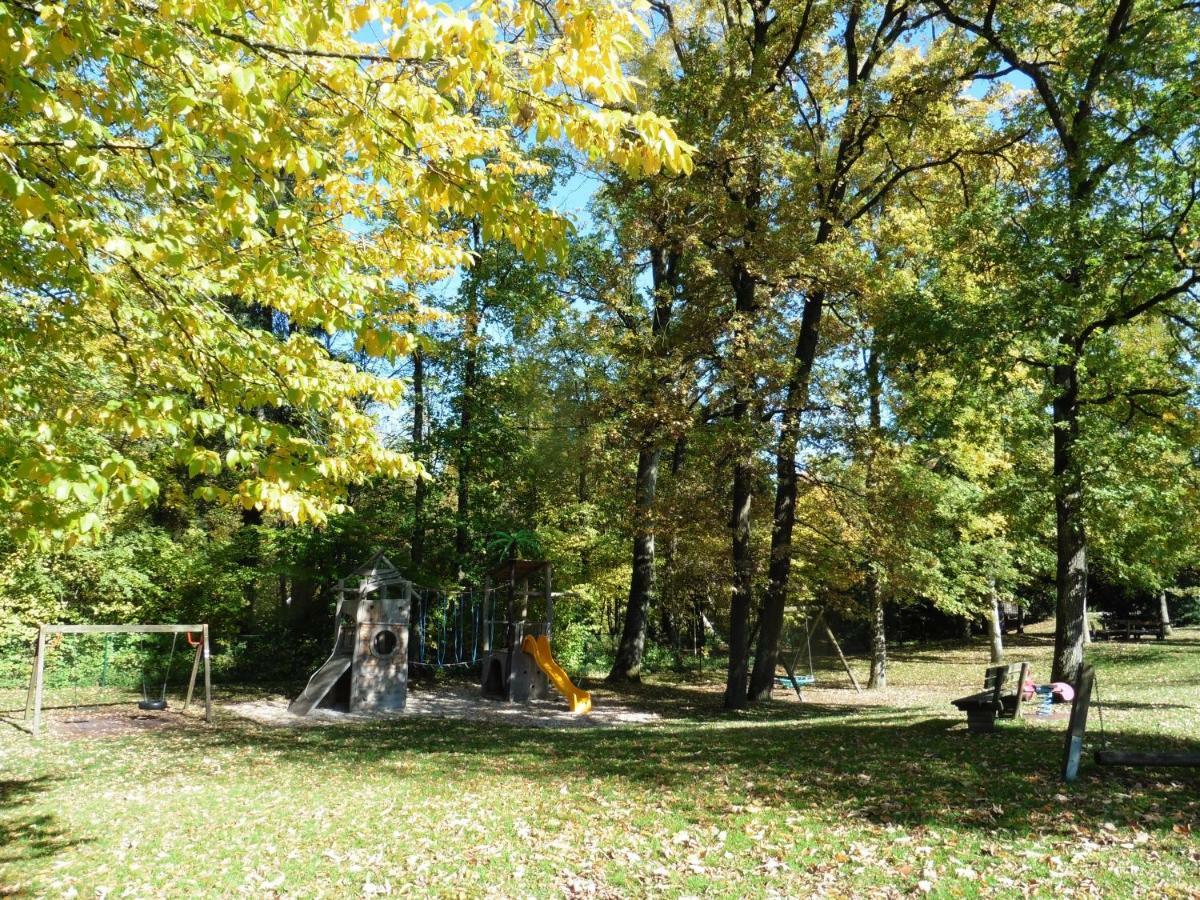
x=843 y=795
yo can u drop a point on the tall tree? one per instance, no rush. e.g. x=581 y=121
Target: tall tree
x=870 y=113
x=1103 y=237
x=665 y=274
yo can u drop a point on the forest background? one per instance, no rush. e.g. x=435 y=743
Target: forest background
x=880 y=309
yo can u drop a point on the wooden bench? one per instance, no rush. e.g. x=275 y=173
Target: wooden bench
x=1003 y=691
x=1012 y=618
x=1130 y=630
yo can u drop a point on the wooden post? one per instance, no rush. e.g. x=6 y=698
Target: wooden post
x=337 y=612
x=1024 y=674
x=842 y=657
x=549 y=603
x=1077 y=727
x=207 y=677
x=195 y=671
x=791 y=673
x=37 y=652
x=486 y=614
x=38 y=672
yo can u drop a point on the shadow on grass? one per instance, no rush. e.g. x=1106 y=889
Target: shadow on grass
x=1131 y=704
x=24 y=835
x=879 y=766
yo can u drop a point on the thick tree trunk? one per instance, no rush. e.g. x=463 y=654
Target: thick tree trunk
x=249 y=557
x=627 y=665
x=879 y=658
x=462 y=535
x=995 y=631
x=1164 y=612
x=417 y=541
x=766 y=656
x=1071 y=569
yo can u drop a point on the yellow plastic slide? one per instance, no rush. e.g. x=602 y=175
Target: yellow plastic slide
x=539 y=649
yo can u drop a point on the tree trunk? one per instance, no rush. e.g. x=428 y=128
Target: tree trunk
x=249 y=557
x=743 y=573
x=878 y=677
x=965 y=625
x=742 y=587
x=995 y=631
x=1164 y=612
x=766 y=656
x=1071 y=562
x=627 y=665
x=417 y=541
x=668 y=595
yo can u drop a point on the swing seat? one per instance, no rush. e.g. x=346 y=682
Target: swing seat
x=152 y=704
x=802 y=680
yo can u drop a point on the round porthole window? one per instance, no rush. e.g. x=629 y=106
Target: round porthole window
x=384 y=643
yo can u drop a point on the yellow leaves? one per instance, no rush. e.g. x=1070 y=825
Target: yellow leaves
x=242 y=79
x=305 y=161
x=360 y=14
x=118 y=246
x=201 y=461
x=57 y=112
x=202 y=186
x=31 y=204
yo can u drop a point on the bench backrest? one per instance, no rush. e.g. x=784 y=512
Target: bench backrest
x=1006 y=681
x=1002 y=676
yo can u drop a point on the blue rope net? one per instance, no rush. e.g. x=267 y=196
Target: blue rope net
x=448 y=628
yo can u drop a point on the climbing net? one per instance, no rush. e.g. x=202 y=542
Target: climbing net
x=447 y=628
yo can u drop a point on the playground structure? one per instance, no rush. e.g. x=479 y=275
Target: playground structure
x=386 y=624
x=33 y=699
x=517 y=663
x=368 y=669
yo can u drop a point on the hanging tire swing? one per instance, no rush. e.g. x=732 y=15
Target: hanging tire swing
x=146 y=703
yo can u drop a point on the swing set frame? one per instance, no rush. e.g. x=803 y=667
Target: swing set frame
x=33 y=699
x=799 y=681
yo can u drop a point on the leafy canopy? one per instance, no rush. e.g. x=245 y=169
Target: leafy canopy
x=199 y=199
